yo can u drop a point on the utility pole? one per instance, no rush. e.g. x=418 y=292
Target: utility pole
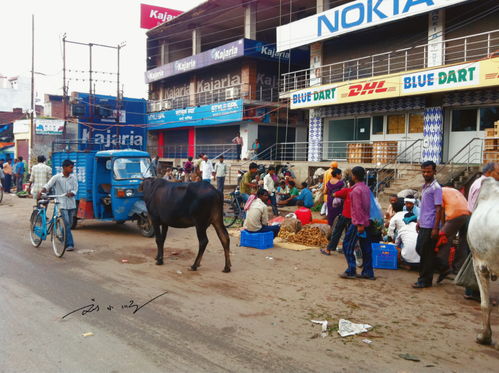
x=32 y=83
x=118 y=99
x=92 y=88
x=64 y=88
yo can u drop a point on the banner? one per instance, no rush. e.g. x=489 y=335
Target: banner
x=352 y=16
x=152 y=16
x=204 y=115
x=227 y=52
x=49 y=127
x=469 y=75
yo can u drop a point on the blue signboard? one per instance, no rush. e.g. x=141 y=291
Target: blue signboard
x=98 y=125
x=205 y=115
x=226 y=52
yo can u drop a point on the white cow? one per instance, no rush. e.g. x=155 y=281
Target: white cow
x=483 y=238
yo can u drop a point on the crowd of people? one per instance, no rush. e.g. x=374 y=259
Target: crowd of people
x=428 y=228
x=13 y=174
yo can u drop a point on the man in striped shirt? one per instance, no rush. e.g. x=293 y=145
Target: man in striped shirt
x=40 y=175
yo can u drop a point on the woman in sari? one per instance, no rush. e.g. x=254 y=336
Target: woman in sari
x=334 y=205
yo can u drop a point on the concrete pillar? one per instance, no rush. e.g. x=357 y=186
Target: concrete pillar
x=314 y=137
x=196 y=41
x=165 y=53
x=250 y=21
x=192 y=91
x=433 y=134
x=436 y=29
x=322 y=5
x=248 y=80
x=249 y=133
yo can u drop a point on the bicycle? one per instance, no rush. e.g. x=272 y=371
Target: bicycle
x=233 y=209
x=40 y=228
x=1 y=193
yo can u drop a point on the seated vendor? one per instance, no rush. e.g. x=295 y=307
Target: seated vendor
x=293 y=195
x=303 y=214
x=257 y=216
x=306 y=196
x=406 y=242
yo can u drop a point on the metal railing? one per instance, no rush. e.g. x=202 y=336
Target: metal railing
x=470 y=154
x=391 y=170
x=467 y=48
x=235 y=92
x=213 y=151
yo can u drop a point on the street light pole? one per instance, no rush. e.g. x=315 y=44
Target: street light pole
x=32 y=137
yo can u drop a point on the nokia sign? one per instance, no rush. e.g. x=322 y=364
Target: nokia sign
x=355 y=15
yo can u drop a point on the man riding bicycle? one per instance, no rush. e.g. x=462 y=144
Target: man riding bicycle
x=66 y=184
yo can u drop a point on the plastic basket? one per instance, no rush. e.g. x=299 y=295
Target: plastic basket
x=262 y=241
x=385 y=256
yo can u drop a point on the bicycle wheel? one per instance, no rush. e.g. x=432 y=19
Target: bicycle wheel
x=59 y=237
x=36 y=228
x=230 y=213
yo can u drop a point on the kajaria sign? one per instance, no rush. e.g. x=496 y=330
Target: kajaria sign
x=152 y=16
x=352 y=16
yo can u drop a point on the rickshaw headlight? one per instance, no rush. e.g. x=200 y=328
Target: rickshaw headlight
x=129 y=192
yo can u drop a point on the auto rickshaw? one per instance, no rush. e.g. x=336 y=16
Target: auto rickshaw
x=108 y=183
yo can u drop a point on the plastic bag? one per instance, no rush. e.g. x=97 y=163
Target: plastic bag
x=375 y=212
x=466 y=276
x=324 y=209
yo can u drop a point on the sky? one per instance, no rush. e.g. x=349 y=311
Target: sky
x=108 y=22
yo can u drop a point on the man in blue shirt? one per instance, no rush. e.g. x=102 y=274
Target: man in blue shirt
x=306 y=196
x=19 y=174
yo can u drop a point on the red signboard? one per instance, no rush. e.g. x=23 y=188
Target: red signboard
x=151 y=16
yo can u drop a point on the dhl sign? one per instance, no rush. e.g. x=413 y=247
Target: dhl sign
x=446 y=78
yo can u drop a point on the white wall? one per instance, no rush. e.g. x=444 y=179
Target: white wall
x=17 y=94
x=249 y=133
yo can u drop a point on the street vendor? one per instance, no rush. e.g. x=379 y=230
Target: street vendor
x=257 y=216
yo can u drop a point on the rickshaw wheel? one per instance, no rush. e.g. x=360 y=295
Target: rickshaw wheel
x=145 y=226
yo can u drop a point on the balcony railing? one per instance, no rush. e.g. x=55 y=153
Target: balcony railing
x=463 y=49
x=241 y=91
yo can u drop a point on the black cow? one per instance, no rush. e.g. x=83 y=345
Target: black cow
x=183 y=205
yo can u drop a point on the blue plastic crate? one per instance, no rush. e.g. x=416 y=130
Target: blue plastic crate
x=385 y=256
x=262 y=241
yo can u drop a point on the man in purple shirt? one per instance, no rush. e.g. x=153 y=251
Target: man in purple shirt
x=428 y=225
x=360 y=229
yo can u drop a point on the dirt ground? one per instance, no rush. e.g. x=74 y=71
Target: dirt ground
x=267 y=301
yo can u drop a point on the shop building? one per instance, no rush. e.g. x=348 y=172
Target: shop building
x=213 y=72
x=405 y=80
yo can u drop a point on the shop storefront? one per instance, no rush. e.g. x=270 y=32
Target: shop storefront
x=444 y=108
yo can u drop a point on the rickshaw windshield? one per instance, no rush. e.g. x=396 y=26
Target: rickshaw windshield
x=132 y=168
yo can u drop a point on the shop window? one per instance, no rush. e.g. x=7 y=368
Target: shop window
x=464 y=120
x=416 y=123
x=395 y=124
x=378 y=125
x=488 y=116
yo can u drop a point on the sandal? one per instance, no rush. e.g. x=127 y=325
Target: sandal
x=323 y=251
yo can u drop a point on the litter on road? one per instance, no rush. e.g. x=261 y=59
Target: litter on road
x=324 y=326
x=88 y=334
x=346 y=328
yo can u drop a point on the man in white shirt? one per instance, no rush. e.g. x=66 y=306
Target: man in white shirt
x=66 y=184
x=269 y=186
x=220 y=173
x=490 y=169
x=257 y=217
x=40 y=175
x=406 y=241
x=206 y=169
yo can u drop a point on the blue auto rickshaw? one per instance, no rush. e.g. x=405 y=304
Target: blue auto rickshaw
x=108 y=183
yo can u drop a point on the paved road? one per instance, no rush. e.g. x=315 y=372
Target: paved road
x=37 y=290
x=255 y=319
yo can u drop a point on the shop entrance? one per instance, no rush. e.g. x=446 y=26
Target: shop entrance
x=342 y=132
x=467 y=124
